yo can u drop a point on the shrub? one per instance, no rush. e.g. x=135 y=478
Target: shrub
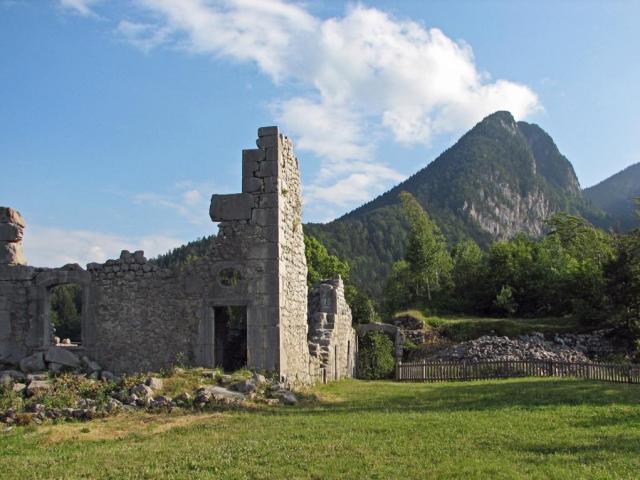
x=375 y=357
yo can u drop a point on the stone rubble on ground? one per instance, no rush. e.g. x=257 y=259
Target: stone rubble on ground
x=526 y=347
x=227 y=391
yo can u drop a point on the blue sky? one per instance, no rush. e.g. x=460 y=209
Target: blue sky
x=120 y=118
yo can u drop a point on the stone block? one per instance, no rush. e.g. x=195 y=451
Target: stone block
x=267 y=131
x=271 y=185
x=267 y=169
x=269 y=200
x=250 y=161
x=10 y=232
x=270 y=141
x=5 y=325
x=62 y=356
x=264 y=216
x=139 y=257
x=11 y=254
x=262 y=251
x=236 y=206
x=33 y=363
x=9 y=215
x=252 y=184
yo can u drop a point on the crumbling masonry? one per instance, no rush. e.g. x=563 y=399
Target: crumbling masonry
x=246 y=301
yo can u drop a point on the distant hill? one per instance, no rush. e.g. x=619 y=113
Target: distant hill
x=615 y=196
x=501 y=178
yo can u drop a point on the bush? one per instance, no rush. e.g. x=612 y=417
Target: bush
x=376 y=357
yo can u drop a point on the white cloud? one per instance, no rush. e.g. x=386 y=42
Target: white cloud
x=79 y=7
x=364 y=76
x=189 y=200
x=144 y=36
x=54 y=247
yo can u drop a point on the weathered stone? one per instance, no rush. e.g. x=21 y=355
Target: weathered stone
x=259 y=379
x=244 y=386
x=62 y=356
x=10 y=232
x=288 y=398
x=33 y=363
x=9 y=215
x=55 y=367
x=37 y=387
x=5 y=379
x=155 y=383
x=270 y=141
x=252 y=184
x=11 y=254
x=267 y=131
x=236 y=206
x=19 y=388
x=14 y=374
x=89 y=365
x=142 y=391
x=221 y=393
x=5 y=324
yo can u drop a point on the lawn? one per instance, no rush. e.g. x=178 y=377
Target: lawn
x=519 y=428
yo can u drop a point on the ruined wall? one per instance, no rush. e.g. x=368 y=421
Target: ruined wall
x=137 y=316
x=142 y=319
x=332 y=338
x=294 y=352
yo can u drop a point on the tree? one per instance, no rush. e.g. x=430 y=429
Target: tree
x=467 y=274
x=426 y=254
x=320 y=264
x=66 y=304
x=375 y=356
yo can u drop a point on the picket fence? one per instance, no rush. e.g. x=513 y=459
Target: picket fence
x=461 y=371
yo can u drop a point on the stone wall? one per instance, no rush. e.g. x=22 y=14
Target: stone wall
x=137 y=316
x=332 y=338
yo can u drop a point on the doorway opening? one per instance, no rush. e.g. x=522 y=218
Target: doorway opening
x=230 y=331
x=65 y=307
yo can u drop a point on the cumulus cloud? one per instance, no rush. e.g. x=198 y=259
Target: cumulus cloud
x=360 y=78
x=79 y=7
x=187 y=199
x=54 y=247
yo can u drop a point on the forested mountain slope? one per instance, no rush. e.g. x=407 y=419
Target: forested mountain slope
x=501 y=178
x=615 y=196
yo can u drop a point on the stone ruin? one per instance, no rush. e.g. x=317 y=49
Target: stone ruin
x=245 y=303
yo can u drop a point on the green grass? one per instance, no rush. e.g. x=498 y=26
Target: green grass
x=530 y=429
x=461 y=328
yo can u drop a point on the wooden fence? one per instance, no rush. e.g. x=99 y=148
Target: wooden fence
x=461 y=371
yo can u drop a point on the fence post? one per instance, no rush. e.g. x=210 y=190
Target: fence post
x=398 y=371
x=629 y=374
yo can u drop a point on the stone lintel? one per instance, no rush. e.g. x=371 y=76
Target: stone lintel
x=235 y=206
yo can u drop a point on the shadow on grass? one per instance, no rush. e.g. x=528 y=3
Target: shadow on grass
x=360 y=396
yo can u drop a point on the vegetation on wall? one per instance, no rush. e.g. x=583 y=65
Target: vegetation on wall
x=375 y=356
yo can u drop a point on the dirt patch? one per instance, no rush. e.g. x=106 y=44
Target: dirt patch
x=122 y=426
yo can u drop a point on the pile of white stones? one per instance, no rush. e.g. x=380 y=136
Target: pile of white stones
x=529 y=347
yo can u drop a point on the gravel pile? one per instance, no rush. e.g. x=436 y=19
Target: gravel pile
x=529 y=347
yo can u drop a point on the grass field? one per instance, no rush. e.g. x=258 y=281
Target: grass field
x=520 y=428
